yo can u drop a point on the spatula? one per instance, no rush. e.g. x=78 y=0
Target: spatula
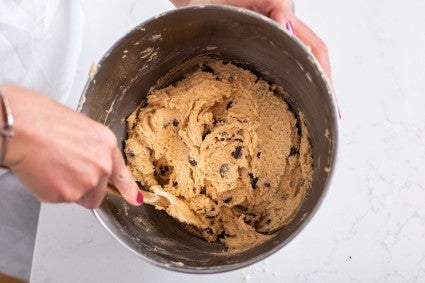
x=163 y=200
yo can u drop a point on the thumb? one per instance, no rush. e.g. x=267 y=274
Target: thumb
x=123 y=180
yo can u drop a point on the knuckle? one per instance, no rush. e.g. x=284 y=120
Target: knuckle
x=93 y=199
x=103 y=135
x=109 y=137
x=68 y=195
x=53 y=197
x=98 y=166
x=90 y=205
x=106 y=169
x=103 y=168
x=96 y=202
x=120 y=178
x=90 y=182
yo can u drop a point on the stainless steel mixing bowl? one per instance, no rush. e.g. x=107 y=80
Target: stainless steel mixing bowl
x=157 y=49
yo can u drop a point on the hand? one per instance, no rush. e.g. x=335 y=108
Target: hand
x=61 y=155
x=281 y=12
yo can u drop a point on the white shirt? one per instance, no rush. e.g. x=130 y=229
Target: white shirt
x=40 y=44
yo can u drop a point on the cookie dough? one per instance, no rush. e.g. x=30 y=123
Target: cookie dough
x=233 y=151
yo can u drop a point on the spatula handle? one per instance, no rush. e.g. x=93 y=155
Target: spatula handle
x=148 y=197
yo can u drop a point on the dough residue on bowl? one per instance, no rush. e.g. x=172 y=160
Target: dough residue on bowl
x=233 y=151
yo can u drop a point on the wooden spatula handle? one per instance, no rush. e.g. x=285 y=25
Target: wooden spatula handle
x=148 y=197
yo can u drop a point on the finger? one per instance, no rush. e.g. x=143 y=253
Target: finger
x=94 y=197
x=318 y=47
x=281 y=12
x=123 y=181
x=280 y=15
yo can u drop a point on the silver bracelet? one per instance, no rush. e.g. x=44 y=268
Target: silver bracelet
x=6 y=127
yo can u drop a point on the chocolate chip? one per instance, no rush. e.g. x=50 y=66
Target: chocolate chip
x=205 y=133
x=254 y=183
x=254 y=180
x=224 y=169
x=228 y=200
x=175 y=183
x=237 y=153
x=163 y=170
x=259 y=154
x=249 y=218
x=207 y=69
x=203 y=190
x=222 y=235
x=241 y=208
x=229 y=105
x=294 y=151
x=175 y=122
x=192 y=161
x=267 y=185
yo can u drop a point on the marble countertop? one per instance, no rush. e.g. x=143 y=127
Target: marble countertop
x=371 y=225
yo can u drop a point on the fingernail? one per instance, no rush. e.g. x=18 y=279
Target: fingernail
x=290 y=27
x=139 y=197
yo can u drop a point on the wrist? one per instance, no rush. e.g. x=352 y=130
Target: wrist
x=9 y=92
x=1 y=123
x=6 y=126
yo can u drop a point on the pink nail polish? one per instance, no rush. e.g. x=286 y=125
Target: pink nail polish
x=139 y=197
x=290 y=27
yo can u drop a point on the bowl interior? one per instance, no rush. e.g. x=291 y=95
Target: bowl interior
x=156 y=54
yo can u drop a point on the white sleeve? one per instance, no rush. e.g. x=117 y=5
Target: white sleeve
x=40 y=44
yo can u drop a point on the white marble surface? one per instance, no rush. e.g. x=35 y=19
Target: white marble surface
x=371 y=225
